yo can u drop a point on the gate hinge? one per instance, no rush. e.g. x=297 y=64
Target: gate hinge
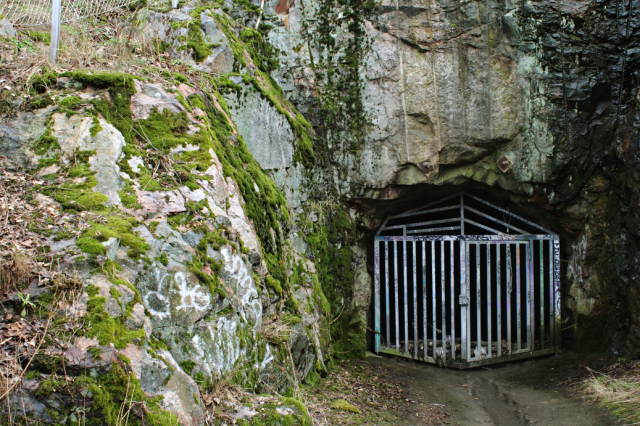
x=464 y=299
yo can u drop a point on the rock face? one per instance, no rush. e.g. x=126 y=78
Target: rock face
x=219 y=223
x=267 y=133
x=176 y=282
x=448 y=90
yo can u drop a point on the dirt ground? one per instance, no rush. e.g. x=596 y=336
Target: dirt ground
x=532 y=392
x=394 y=391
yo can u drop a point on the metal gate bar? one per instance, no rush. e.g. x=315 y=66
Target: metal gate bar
x=465 y=269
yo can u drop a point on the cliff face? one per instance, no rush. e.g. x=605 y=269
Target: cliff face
x=222 y=220
x=440 y=92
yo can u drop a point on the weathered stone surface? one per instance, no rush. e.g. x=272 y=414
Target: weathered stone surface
x=6 y=29
x=152 y=96
x=74 y=133
x=19 y=133
x=266 y=132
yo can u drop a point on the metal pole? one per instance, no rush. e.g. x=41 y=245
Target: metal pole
x=55 y=31
x=174 y=4
x=376 y=256
x=556 y=288
x=424 y=298
x=387 y=342
x=415 y=305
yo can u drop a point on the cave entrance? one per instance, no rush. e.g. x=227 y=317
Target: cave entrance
x=463 y=283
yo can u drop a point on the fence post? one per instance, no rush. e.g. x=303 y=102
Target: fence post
x=55 y=30
x=174 y=4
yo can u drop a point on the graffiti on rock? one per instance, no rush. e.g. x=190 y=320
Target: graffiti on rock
x=158 y=302
x=221 y=349
x=250 y=308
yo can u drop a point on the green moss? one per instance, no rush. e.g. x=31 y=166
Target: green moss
x=290 y=320
x=157 y=344
x=180 y=78
x=344 y=121
x=343 y=405
x=334 y=267
x=113 y=226
x=46 y=143
x=165 y=130
x=110 y=390
x=76 y=196
x=39 y=36
x=40 y=83
x=95 y=127
x=92 y=290
x=108 y=330
x=163 y=259
x=274 y=285
x=269 y=415
x=188 y=366
x=39 y=101
x=46 y=162
x=47 y=387
x=153 y=225
x=114 y=293
x=128 y=196
x=196 y=42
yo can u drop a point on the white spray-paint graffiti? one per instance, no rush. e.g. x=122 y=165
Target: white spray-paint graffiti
x=250 y=308
x=195 y=297
x=218 y=345
x=159 y=305
x=223 y=350
x=162 y=307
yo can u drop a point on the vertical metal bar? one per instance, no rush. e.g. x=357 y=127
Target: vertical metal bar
x=395 y=276
x=443 y=301
x=478 y=305
x=386 y=292
x=509 y=291
x=461 y=214
x=556 y=289
x=541 y=242
x=452 y=280
x=174 y=4
x=552 y=314
x=532 y=295
x=467 y=307
x=499 y=297
x=529 y=297
x=376 y=279
x=55 y=31
x=424 y=298
x=518 y=307
x=433 y=296
x=406 y=297
x=464 y=291
x=488 y=258
x=415 y=305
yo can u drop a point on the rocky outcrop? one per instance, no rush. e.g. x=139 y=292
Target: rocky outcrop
x=223 y=222
x=176 y=283
x=448 y=90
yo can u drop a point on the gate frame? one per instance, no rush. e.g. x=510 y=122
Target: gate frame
x=465 y=241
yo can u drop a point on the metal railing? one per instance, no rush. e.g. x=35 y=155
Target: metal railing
x=39 y=12
x=55 y=12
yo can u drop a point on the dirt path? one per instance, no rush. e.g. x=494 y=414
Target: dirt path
x=515 y=394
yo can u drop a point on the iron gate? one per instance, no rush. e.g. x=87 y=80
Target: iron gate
x=467 y=299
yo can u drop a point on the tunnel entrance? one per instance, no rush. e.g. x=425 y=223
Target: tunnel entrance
x=463 y=283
